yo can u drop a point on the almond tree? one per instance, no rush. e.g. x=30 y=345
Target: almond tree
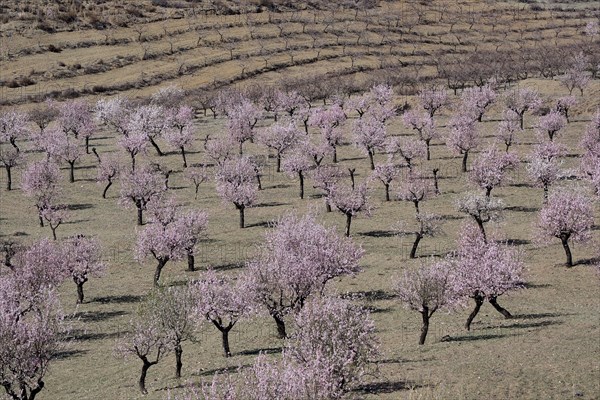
x=407 y=149
x=43 y=115
x=432 y=100
x=507 y=129
x=350 y=201
x=481 y=208
x=329 y=121
x=173 y=309
x=115 y=113
x=590 y=169
x=489 y=169
x=463 y=137
x=415 y=189
x=316 y=151
x=426 y=290
x=427 y=225
x=179 y=132
x=40 y=181
x=324 y=178
x=149 y=121
x=222 y=301
x=298 y=258
x=424 y=126
x=296 y=163
x=551 y=124
x=10 y=158
x=386 y=173
x=544 y=166
x=55 y=215
x=139 y=187
x=576 y=76
x=75 y=117
x=219 y=149
x=564 y=105
x=134 y=143
x=13 y=127
x=478 y=100
x=369 y=136
x=107 y=170
x=146 y=340
x=521 y=101
x=69 y=151
x=197 y=174
x=281 y=137
x=83 y=258
x=241 y=120
x=236 y=184
x=591 y=138
x=568 y=215
x=193 y=225
x=485 y=270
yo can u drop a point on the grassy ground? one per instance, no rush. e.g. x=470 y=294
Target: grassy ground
x=551 y=349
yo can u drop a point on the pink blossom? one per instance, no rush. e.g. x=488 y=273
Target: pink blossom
x=432 y=99
x=236 y=184
x=521 y=101
x=463 y=136
x=551 y=124
x=350 y=201
x=489 y=169
x=83 y=259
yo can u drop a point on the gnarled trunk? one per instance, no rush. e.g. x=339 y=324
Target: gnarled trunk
x=153 y=143
x=387 y=191
x=178 y=362
x=8 y=177
x=106 y=188
x=241 y=210
x=281 y=333
x=140 y=219
x=565 y=242
x=183 y=156
x=493 y=301
x=372 y=159
x=478 y=302
x=413 y=251
x=427 y=144
x=191 y=262
x=464 y=161
x=71 y=171
x=425 y=326
x=348 y=223
x=159 y=267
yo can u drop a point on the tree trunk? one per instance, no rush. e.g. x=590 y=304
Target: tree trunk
x=183 y=156
x=259 y=182
x=72 y=171
x=142 y=382
x=41 y=219
x=241 y=148
x=132 y=162
x=335 y=154
x=53 y=231
x=464 y=161
x=352 y=171
x=153 y=143
x=178 y=363
x=278 y=162
x=416 y=203
x=191 y=262
x=371 y=159
x=8 y=178
x=225 y=340
x=413 y=251
x=348 y=222
x=159 y=267
x=281 y=333
x=425 y=326
x=87 y=145
x=242 y=225
x=140 y=220
x=106 y=189
x=478 y=302
x=545 y=193
x=521 y=119
x=481 y=229
x=565 y=243
x=196 y=192
x=428 y=150
x=327 y=205
x=80 y=292
x=301 y=177
x=488 y=191
x=387 y=192
x=435 y=181
x=499 y=308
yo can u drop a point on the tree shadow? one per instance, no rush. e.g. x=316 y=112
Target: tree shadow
x=127 y=298
x=378 y=233
x=255 y=352
x=475 y=337
x=81 y=335
x=279 y=186
x=226 y=370
x=522 y=209
x=588 y=261
x=539 y=315
x=69 y=353
x=96 y=316
x=371 y=295
x=83 y=206
x=228 y=267
x=404 y=360
x=386 y=387
x=525 y=185
x=258 y=224
x=515 y=242
x=530 y=324
x=271 y=204
x=529 y=285
x=449 y=217
x=76 y=221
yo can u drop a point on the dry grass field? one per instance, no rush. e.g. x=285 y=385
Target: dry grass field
x=549 y=350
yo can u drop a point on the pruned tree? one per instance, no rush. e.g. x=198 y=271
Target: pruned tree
x=179 y=132
x=75 y=117
x=386 y=173
x=350 y=201
x=197 y=174
x=544 y=167
x=83 y=259
x=281 y=137
x=369 y=136
x=140 y=187
x=424 y=126
x=329 y=121
x=236 y=184
x=551 y=124
x=296 y=163
x=432 y=99
x=490 y=168
x=463 y=137
x=427 y=225
x=324 y=178
x=521 y=101
x=40 y=181
x=415 y=189
x=481 y=208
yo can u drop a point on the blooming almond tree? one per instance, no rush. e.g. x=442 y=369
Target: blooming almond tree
x=236 y=184
x=55 y=215
x=590 y=169
x=324 y=178
x=329 y=121
x=221 y=301
x=564 y=105
x=134 y=143
x=193 y=225
x=297 y=163
x=297 y=260
x=426 y=290
x=369 y=136
x=43 y=115
x=424 y=126
x=75 y=117
x=432 y=100
x=219 y=149
x=463 y=137
x=338 y=334
x=13 y=127
x=149 y=121
x=40 y=181
x=576 y=76
x=591 y=138
x=544 y=166
x=485 y=270
x=69 y=151
x=10 y=158
x=521 y=101
x=481 y=208
x=350 y=201
x=115 y=113
x=281 y=137
x=508 y=128
x=107 y=170
x=407 y=149
x=179 y=132
x=83 y=258
x=146 y=340
x=568 y=215
x=139 y=187
x=241 y=121
x=197 y=174
x=415 y=189
x=489 y=169
x=386 y=173
x=427 y=225
x=478 y=100
x=551 y=124
x=173 y=310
